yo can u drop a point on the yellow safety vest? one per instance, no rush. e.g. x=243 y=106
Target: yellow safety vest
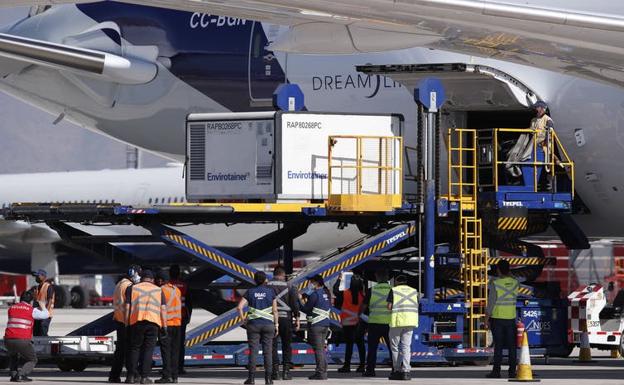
x=378 y=309
x=404 y=307
x=266 y=313
x=506 y=297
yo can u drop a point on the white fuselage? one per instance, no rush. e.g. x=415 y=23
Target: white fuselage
x=152 y=115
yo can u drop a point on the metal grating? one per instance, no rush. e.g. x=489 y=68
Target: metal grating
x=197 y=151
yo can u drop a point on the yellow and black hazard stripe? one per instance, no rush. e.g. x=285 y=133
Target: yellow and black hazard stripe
x=353 y=260
x=512 y=223
x=528 y=261
x=217 y=259
x=201 y=338
x=524 y=290
x=347 y=263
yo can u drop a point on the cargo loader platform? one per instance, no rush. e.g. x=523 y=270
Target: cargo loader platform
x=440 y=240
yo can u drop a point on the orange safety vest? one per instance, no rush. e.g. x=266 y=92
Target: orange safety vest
x=183 y=286
x=146 y=300
x=119 y=300
x=350 y=313
x=173 y=298
x=41 y=294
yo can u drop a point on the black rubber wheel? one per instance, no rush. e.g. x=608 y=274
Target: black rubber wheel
x=64 y=365
x=79 y=366
x=79 y=297
x=61 y=296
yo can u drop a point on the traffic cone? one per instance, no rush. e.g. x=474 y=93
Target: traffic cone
x=585 y=356
x=524 y=372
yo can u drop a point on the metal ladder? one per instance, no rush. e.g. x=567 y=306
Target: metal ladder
x=462 y=189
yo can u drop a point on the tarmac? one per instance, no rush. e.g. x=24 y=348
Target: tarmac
x=558 y=372
x=604 y=370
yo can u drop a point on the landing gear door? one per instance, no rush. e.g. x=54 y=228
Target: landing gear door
x=265 y=72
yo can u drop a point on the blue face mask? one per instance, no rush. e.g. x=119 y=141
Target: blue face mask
x=309 y=290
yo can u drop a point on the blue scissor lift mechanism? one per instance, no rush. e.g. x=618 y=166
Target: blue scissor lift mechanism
x=472 y=217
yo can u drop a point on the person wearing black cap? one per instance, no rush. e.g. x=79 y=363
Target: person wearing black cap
x=317 y=308
x=287 y=310
x=43 y=292
x=501 y=316
x=542 y=124
x=145 y=307
x=261 y=321
x=170 y=341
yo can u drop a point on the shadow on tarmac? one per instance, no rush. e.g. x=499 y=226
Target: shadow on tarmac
x=558 y=369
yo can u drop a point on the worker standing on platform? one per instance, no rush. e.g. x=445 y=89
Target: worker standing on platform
x=170 y=341
x=402 y=301
x=317 y=308
x=187 y=310
x=350 y=302
x=145 y=306
x=542 y=123
x=120 y=318
x=287 y=308
x=501 y=314
x=43 y=292
x=18 y=336
x=378 y=319
x=262 y=325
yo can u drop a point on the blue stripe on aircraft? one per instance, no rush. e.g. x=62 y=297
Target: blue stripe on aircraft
x=222 y=57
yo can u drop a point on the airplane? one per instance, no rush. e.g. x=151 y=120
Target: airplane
x=133 y=72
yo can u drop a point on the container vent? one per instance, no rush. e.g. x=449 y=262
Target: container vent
x=197 y=152
x=264 y=171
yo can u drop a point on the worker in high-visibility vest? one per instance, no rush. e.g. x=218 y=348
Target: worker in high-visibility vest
x=145 y=306
x=317 y=307
x=187 y=310
x=500 y=316
x=402 y=301
x=120 y=318
x=378 y=319
x=287 y=311
x=170 y=342
x=350 y=302
x=18 y=336
x=261 y=321
x=43 y=292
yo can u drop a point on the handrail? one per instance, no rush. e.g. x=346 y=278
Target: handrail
x=459 y=150
x=388 y=145
x=550 y=158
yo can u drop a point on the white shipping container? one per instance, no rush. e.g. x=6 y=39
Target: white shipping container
x=270 y=156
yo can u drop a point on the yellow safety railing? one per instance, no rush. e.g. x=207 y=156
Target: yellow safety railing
x=551 y=162
x=462 y=166
x=365 y=173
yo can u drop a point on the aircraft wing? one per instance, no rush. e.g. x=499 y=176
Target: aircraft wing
x=579 y=38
